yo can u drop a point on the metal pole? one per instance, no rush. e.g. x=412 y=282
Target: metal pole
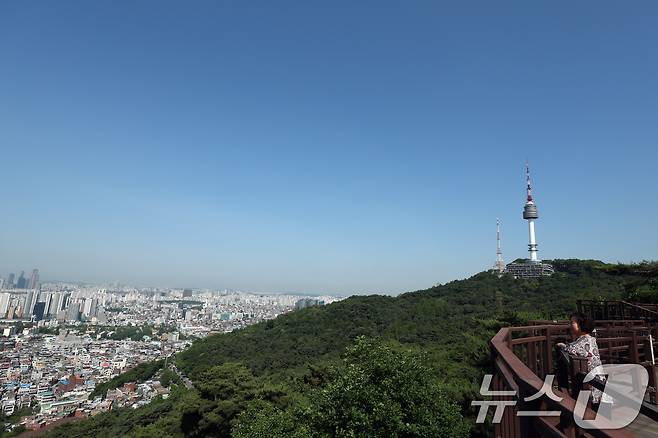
x=653 y=358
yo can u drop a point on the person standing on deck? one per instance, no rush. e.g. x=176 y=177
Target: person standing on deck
x=584 y=345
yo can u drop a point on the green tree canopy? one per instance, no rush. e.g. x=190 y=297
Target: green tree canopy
x=377 y=391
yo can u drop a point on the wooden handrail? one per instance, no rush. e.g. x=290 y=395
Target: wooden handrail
x=641 y=309
x=617 y=310
x=510 y=366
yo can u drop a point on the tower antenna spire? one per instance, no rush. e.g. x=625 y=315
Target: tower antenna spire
x=528 y=185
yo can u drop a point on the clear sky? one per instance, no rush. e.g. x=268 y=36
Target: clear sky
x=345 y=147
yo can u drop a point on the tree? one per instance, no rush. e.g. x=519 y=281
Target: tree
x=226 y=381
x=264 y=420
x=381 y=392
x=377 y=392
x=168 y=377
x=225 y=390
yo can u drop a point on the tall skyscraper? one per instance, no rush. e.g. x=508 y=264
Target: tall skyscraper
x=34 y=279
x=21 y=282
x=10 y=280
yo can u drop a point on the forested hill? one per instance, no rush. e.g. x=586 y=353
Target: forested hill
x=306 y=376
x=443 y=315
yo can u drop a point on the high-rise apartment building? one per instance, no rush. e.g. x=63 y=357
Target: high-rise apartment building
x=4 y=304
x=73 y=312
x=39 y=309
x=30 y=299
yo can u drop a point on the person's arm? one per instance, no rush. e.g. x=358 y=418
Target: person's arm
x=574 y=347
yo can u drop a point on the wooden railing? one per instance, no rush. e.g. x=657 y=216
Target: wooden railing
x=618 y=310
x=522 y=358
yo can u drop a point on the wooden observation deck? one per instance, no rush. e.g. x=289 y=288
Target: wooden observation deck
x=523 y=356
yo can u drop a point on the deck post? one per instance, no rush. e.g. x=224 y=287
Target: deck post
x=633 y=347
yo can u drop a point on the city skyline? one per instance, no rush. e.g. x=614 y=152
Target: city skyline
x=7 y=283
x=275 y=148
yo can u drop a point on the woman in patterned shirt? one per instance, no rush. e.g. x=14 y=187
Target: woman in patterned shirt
x=584 y=345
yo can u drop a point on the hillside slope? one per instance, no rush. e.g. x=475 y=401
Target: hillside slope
x=441 y=316
x=287 y=359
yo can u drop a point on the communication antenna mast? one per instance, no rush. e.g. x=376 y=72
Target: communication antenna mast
x=500 y=264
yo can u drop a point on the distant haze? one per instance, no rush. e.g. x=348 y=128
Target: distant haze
x=347 y=147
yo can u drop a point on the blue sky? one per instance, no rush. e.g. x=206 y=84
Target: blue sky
x=343 y=147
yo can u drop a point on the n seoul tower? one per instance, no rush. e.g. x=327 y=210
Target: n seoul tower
x=530 y=214
x=533 y=267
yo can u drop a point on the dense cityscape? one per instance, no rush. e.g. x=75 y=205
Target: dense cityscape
x=62 y=343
